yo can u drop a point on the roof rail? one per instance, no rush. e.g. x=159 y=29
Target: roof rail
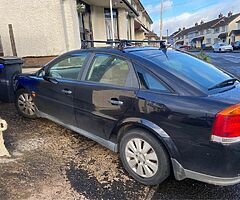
x=122 y=44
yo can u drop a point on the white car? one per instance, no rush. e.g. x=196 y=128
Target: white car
x=222 y=47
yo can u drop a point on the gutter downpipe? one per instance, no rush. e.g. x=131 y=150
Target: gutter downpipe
x=64 y=25
x=112 y=24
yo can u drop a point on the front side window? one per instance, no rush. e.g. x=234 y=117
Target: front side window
x=68 y=68
x=109 y=69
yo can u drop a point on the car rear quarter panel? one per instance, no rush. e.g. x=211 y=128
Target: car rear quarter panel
x=188 y=121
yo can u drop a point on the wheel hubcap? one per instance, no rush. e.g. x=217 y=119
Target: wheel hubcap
x=26 y=104
x=141 y=157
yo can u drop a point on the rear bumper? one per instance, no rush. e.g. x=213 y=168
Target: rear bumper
x=228 y=49
x=180 y=173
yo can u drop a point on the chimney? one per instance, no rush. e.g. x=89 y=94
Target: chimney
x=183 y=28
x=230 y=13
x=196 y=24
x=202 y=22
x=179 y=29
x=220 y=15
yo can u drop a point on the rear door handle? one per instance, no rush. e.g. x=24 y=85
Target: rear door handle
x=66 y=91
x=115 y=102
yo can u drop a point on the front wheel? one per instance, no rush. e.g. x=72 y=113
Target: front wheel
x=144 y=157
x=25 y=104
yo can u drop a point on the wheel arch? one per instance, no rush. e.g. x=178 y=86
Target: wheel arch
x=19 y=87
x=165 y=139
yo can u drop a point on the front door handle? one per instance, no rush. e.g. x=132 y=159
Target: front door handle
x=66 y=91
x=115 y=102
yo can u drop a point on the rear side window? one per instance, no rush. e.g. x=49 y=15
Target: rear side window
x=186 y=67
x=149 y=82
x=109 y=69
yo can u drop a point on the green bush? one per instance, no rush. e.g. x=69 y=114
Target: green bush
x=204 y=56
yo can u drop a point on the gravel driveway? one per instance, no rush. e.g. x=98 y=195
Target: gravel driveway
x=51 y=162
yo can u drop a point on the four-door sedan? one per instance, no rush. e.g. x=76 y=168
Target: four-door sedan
x=163 y=110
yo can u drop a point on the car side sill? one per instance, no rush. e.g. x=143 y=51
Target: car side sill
x=106 y=143
x=181 y=173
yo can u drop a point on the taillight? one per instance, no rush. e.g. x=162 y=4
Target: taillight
x=226 y=127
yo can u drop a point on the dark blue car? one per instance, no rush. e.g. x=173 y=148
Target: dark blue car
x=163 y=110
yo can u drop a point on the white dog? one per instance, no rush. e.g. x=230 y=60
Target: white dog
x=3 y=150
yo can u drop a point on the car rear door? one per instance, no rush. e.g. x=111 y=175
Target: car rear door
x=107 y=90
x=54 y=93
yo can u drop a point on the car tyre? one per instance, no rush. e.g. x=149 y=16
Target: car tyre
x=144 y=157
x=25 y=104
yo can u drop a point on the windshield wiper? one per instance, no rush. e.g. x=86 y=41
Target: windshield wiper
x=224 y=84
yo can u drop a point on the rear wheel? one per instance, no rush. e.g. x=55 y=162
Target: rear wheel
x=144 y=157
x=25 y=104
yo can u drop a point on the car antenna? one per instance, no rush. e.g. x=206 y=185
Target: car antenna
x=164 y=48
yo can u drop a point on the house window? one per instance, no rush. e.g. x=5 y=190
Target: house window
x=129 y=29
x=208 y=31
x=190 y=35
x=216 y=30
x=216 y=40
x=208 y=40
x=238 y=25
x=109 y=24
x=223 y=28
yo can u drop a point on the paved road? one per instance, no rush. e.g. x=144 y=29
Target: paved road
x=227 y=61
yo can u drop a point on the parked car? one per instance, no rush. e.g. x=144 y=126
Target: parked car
x=236 y=45
x=184 y=47
x=222 y=47
x=162 y=110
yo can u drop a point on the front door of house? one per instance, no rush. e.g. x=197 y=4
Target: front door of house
x=84 y=18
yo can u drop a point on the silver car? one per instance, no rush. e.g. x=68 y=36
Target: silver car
x=222 y=47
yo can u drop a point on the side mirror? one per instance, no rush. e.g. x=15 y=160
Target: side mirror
x=50 y=79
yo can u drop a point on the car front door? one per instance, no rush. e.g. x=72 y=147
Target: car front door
x=107 y=90
x=54 y=91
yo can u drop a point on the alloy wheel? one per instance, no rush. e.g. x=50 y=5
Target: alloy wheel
x=141 y=157
x=26 y=104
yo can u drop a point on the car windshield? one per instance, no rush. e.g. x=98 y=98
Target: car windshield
x=222 y=44
x=187 y=68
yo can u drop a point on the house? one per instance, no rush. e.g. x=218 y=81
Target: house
x=205 y=34
x=142 y=24
x=151 y=36
x=170 y=39
x=51 y=27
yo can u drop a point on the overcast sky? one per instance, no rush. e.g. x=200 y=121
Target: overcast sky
x=185 y=13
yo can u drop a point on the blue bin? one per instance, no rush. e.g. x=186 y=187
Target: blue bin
x=9 y=68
